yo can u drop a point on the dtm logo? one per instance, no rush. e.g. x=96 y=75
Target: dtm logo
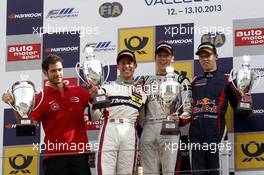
x=253 y=150
x=18 y=165
x=107 y=10
x=218 y=38
x=135 y=43
x=61 y=13
x=102 y=46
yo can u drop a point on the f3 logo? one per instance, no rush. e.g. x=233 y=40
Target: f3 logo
x=258 y=151
x=140 y=44
x=18 y=166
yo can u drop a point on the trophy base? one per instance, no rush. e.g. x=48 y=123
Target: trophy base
x=243 y=108
x=25 y=130
x=100 y=101
x=170 y=128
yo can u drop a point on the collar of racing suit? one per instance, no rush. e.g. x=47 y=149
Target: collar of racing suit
x=161 y=74
x=210 y=74
x=120 y=80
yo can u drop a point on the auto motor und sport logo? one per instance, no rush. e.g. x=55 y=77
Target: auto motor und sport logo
x=62 y=13
x=93 y=125
x=28 y=16
x=23 y=52
x=247 y=37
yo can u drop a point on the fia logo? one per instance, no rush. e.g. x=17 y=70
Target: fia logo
x=107 y=10
x=18 y=166
x=217 y=38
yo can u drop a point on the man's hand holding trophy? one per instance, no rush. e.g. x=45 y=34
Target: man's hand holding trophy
x=21 y=97
x=93 y=73
x=243 y=81
x=171 y=102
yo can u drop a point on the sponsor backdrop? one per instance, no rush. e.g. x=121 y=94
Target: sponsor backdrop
x=35 y=28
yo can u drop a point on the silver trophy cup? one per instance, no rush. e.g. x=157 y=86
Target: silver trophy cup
x=243 y=81
x=23 y=93
x=93 y=72
x=170 y=100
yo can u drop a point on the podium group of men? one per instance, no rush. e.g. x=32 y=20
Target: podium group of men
x=203 y=104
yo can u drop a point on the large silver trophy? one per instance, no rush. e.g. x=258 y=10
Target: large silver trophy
x=171 y=102
x=243 y=81
x=24 y=93
x=93 y=72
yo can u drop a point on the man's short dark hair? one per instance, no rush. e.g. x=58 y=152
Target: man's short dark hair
x=51 y=59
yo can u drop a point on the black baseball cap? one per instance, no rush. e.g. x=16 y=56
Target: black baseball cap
x=206 y=47
x=127 y=54
x=164 y=46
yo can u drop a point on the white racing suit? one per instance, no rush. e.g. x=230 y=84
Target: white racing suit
x=118 y=137
x=160 y=151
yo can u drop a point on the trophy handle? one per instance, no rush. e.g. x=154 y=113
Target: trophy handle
x=77 y=67
x=108 y=72
x=42 y=96
x=8 y=90
x=183 y=101
x=253 y=78
x=231 y=79
x=163 y=108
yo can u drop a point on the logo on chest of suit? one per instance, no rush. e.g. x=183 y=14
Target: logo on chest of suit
x=124 y=100
x=75 y=99
x=201 y=82
x=54 y=106
x=136 y=97
x=205 y=105
x=152 y=88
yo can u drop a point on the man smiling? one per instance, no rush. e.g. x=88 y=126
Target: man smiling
x=211 y=93
x=118 y=138
x=155 y=155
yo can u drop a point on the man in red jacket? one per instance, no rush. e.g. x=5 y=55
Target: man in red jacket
x=62 y=115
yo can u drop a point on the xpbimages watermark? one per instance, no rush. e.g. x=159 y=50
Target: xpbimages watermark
x=59 y=146
x=51 y=29
x=212 y=147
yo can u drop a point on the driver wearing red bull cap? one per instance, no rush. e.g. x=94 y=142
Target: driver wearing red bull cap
x=211 y=93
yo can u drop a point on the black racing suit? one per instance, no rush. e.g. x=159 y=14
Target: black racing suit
x=211 y=93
